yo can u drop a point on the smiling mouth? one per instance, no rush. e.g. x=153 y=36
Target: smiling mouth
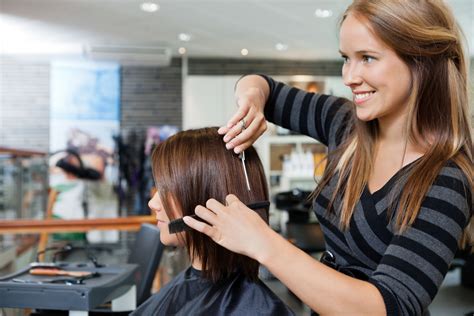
x=361 y=97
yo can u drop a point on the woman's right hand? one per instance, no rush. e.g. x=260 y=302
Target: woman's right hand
x=248 y=123
x=234 y=226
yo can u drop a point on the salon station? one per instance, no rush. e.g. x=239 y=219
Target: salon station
x=89 y=89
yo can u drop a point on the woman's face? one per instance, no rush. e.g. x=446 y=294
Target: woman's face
x=163 y=221
x=380 y=81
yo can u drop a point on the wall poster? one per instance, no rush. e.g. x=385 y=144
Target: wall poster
x=84 y=118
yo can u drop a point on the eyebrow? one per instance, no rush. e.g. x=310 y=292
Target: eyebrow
x=361 y=52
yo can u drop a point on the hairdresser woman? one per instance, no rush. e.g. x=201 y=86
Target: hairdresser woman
x=396 y=197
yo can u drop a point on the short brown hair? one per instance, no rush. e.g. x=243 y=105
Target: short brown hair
x=193 y=166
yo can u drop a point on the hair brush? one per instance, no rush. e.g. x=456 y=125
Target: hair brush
x=178 y=225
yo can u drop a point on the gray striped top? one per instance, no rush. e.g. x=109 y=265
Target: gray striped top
x=406 y=268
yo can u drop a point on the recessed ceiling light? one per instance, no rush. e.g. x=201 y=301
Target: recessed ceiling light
x=184 y=37
x=149 y=6
x=182 y=50
x=323 y=13
x=281 y=47
x=244 y=52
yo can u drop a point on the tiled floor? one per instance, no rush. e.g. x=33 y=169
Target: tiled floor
x=452 y=299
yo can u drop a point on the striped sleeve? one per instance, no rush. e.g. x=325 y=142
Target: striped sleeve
x=417 y=260
x=320 y=116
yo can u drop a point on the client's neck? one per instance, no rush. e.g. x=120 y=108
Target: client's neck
x=196 y=264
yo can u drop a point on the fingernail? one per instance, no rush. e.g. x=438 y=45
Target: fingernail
x=237 y=151
x=220 y=130
x=228 y=145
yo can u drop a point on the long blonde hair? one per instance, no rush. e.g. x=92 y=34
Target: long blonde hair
x=424 y=34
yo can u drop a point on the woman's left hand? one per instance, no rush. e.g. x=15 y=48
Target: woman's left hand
x=233 y=226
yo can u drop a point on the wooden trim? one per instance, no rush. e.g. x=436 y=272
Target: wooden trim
x=43 y=240
x=25 y=226
x=21 y=152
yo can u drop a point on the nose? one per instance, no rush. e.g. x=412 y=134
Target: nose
x=153 y=203
x=150 y=205
x=351 y=74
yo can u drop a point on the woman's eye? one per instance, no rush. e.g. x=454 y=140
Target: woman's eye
x=345 y=59
x=367 y=59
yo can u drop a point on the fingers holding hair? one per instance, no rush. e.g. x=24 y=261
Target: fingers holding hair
x=233 y=226
x=205 y=214
x=208 y=214
x=244 y=106
x=239 y=138
x=242 y=112
x=200 y=226
x=232 y=199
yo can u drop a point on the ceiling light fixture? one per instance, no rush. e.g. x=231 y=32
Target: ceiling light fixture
x=281 y=47
x=244 y=52
x=149 y=7
x=182 y=50
x=184 y=37
x=323 y=13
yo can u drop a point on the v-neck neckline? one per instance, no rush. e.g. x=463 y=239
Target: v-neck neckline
x=387 y=185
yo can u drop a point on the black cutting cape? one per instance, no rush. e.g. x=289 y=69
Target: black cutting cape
x=191 y=294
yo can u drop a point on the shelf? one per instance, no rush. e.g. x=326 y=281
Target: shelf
x=273 y=146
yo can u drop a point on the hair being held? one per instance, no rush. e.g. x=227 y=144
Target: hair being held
x=193 y=166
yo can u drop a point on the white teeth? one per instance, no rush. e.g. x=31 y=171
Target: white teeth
x=359 y=96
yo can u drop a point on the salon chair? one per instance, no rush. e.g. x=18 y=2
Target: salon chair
x=146 y=252
x=304 y=234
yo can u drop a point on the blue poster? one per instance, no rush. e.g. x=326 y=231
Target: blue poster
x=84 y=118
x=85 y=100
x=85 y=91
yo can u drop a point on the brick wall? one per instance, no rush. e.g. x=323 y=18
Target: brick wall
x=24 y=104
x=151 y=96
x=207 y=66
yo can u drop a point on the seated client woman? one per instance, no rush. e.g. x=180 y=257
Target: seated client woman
x=190 y=168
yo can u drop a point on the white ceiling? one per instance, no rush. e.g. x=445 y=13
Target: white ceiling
x=219 y=28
